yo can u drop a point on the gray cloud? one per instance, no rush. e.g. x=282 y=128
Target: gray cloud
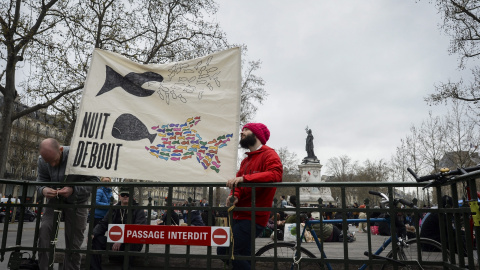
x=356 y=72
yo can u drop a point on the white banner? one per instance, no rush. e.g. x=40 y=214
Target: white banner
x=174 y=122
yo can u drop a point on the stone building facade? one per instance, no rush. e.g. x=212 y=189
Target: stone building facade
x=27 y=133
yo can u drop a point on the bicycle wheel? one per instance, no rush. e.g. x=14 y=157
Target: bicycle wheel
x=431 y=251
x=284 y=250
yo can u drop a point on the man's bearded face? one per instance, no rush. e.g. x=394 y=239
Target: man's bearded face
x=248 y=140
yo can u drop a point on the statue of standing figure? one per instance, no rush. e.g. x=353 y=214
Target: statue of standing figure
x=309 y=148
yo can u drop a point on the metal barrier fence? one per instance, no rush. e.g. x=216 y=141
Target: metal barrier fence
x=166 y=258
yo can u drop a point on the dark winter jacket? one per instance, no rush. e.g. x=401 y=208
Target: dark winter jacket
x=196 y=219
x=138 y=218
x=47 y=173
x=173 y=218
x=103 y=198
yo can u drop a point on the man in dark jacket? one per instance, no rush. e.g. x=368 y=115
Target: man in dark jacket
x=431 y=226
x=196 y=218
x=52 y=164
x=119 y=216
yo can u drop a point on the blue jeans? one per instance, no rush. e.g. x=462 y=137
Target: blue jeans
x=241 y=237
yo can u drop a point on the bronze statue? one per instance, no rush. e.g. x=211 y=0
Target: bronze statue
x=309 y=148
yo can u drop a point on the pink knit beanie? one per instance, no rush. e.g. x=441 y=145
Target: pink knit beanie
x=260 y=130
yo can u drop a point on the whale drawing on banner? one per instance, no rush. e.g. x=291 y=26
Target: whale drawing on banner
x=131 y=83
x=127 y=127
x=182 y=142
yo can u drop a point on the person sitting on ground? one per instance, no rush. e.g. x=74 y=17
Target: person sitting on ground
x=280 y=225
x=338 y=215
x=374 y=215
x=119 y=216
x=329 y=233
x=174 y=219
x=271 y=222
x=400 y=225
x=362 y=226
x=195 y=217
x=329 y=214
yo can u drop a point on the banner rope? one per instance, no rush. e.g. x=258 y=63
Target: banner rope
x=54 y=242
x=231 y=230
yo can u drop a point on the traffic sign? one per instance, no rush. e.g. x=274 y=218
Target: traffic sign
x=169 y=235
x=115 y=232
x=220 y=236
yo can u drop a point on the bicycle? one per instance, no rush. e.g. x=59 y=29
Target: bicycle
x=467 y=177
x=409 y=253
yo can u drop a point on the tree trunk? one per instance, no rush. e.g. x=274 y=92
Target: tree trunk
x=7 y=113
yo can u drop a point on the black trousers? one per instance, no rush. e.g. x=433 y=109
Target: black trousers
x=100 y=243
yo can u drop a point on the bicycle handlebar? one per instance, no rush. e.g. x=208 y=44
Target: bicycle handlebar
x=423 y=178
x=442 y=176
x=402 y=201
x=378 y=194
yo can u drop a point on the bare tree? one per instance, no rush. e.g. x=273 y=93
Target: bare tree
x=252 y=92
x=462 y=135
x=341 y=168
x=55 y=40
x=291 y=173
x=461 y=21
x=371 y=171
x=399 y=162
x=432 y=142
x=406 y=156
x=449 y=141
x=289 y=160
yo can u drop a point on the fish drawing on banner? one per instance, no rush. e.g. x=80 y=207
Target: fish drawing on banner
x=182 y=142
x=182 y=82
x=127 y=127
x=131 y=83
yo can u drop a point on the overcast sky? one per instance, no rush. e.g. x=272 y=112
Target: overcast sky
x=355 y=72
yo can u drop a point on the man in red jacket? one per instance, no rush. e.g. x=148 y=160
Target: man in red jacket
x=261 y=165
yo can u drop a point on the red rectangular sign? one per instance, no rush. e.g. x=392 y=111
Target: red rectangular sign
x=171 y=235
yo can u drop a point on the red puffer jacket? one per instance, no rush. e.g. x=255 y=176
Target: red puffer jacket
x=260 y=166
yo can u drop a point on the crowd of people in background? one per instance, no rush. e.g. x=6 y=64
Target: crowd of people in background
x=427 y=223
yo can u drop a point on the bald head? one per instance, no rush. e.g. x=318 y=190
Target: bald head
x=51 y=151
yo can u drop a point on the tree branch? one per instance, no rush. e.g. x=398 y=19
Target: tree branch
x=46 y=104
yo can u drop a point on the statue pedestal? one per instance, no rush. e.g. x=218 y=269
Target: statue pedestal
x=311 y=173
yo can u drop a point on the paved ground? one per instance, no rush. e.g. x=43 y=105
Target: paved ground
x=355 y=249
x=333 y=250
